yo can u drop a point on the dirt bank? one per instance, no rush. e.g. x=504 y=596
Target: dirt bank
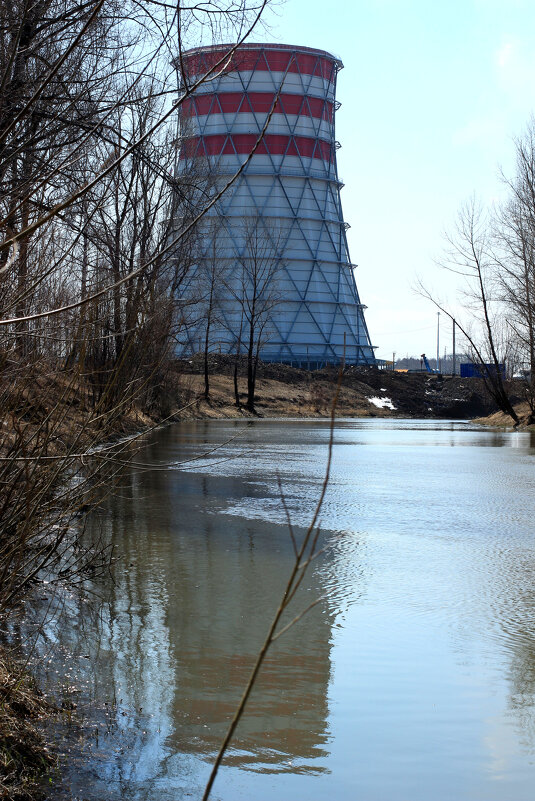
x=284 y=391
x=281 y=391
x=502 y=420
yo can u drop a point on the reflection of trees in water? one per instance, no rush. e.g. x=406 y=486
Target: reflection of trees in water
x=522 y=692
x=508 y=590
x=128 y=668
x=189 y=605
x=518 y=624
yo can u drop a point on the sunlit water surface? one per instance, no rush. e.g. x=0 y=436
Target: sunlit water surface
x=413 y=680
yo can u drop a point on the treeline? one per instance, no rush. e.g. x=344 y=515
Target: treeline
x=492 y=249
x=92 y=258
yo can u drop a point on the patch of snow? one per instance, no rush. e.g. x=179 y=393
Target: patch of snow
x=382 y=403
x=383 y=389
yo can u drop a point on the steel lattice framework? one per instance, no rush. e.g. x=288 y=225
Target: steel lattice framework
x=290 y=189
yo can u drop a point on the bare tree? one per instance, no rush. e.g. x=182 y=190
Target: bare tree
x=89 y=296
x=470 y=256
x=207 y=291
x=91 y=263
x=514 y=249
x=255 y=289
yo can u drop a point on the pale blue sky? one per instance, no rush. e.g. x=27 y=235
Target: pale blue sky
x=432 y=94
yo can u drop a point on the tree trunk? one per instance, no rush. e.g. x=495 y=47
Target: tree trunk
x=236 y=360
x=206 y=371
x=251 y=377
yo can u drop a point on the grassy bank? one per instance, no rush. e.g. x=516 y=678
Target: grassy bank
x=501 y=420
x=26 y=761
x=284 y=391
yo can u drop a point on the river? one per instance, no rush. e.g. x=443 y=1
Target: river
x=414 y=678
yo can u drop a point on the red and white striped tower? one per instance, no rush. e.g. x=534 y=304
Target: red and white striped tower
x=290 y=187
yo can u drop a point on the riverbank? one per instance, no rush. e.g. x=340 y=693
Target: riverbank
x=500 y=420
x=281 y=391
x=25 y=757
x=50 y=424
x=284 y=391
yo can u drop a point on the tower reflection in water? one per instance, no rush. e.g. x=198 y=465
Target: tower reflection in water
x=191 y=600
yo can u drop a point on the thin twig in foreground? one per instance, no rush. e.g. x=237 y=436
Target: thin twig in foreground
x=296 y=574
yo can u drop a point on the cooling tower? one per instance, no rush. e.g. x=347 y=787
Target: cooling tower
x=283 y=213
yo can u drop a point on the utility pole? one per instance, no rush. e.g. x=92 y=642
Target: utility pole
x=438 y=341
x=453 y=371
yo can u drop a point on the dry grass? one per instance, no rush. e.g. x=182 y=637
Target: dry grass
x=59 y=405
x=307 y=398
x=504 y=421
x=25 y=760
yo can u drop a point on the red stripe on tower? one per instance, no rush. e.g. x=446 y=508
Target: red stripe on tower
x=272 y=144
x=261 y=58
x=257 y=102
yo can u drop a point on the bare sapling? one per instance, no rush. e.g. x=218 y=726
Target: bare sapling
x=305 y=552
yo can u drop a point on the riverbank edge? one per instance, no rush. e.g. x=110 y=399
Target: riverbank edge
x=283 y=391
x=503 y=421
x=27 y=760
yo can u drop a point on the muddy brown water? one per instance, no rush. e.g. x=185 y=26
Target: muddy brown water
x=413 y=679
